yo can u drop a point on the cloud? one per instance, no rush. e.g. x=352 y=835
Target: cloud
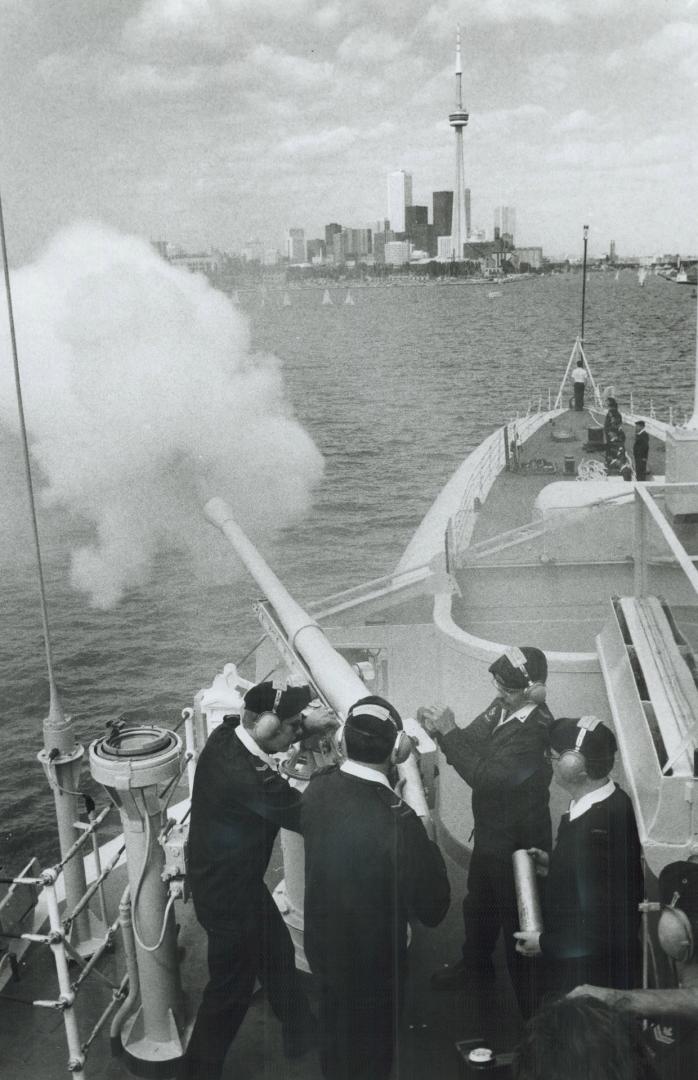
x=578 y=120
x=500 y=120
x=367 y=46
x=214 y=24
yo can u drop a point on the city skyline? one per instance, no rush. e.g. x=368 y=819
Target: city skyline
x=216 y=122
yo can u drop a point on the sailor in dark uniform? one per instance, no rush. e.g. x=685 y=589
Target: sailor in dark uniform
x=672 y=1011
x=369 y=868
x=594 y=882
x=239 y=803
x=641 y=449
x=502 y=756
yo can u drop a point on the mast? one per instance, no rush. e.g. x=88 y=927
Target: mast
x=61 y=757
x=584 y=280
x=693 y=422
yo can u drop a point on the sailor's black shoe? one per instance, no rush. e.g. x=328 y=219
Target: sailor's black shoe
x=462 y=973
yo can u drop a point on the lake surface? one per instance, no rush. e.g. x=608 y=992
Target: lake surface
x=395 y=390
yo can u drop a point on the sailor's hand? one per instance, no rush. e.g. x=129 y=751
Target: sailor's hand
x=528 y=943
x=436 y=719
x=541 y=860
x=318 y=721
x=601 y=993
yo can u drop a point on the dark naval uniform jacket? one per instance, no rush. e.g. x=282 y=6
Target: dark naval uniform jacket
x=238 y=805
x=369 y=868
x=592 y=891
x=506 y=767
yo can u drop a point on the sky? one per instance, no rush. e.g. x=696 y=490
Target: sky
x=210 y=123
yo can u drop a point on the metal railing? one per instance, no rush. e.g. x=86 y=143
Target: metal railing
x=57 y=938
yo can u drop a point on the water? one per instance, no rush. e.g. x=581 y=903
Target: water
x=395 y=390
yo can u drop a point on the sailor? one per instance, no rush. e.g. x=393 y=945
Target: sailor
x=594 y=880
x=614 y=431
x=581 y=1039
x=580 y=376
x=239 y=803
x=369 y=868
x=641 y=449
x=502 y=756
x=672 y=1035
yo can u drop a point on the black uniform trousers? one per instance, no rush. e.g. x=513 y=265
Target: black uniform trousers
x=578 y=396
x=358 y=1031
x=259 y=947
x=490 y=906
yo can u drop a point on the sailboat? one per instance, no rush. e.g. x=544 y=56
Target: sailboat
x=326 y=298
x=349 y=299
x=286 y=300
x=617 y=275
x=641 y=275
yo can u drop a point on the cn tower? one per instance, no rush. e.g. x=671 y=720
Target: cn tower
x=458 y=119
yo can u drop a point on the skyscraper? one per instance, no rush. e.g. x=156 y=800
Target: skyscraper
x=295 y=245
x=399 y=196
x=442 y=203
x=505 y=223
x=458 y=119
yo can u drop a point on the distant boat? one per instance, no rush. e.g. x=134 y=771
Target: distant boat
x=617 y=275
x=641 y=275
x=286 y=300
x=349 y=299
x=326 y=298
x=493 y=293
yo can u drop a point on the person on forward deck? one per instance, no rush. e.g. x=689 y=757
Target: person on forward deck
x=502 y=756
x=641 y=449
x=369 y=867
x=613 y=431
x=580 y=376
x=594 y=880
x=239 y=803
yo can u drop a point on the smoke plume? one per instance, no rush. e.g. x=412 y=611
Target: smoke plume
x=142 y=400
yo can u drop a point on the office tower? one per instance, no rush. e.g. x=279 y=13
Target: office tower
x=442 y=210
x=415 y=215
x=612 y=252
x=399 y=197
x=397 y=252
x=505 y=223
x=458 y=119
x=330 y=231
x=295 y=245
x=361 y=242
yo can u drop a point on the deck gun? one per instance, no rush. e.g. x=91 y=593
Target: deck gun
x=305 y=646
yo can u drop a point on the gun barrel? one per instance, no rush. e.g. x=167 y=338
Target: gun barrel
x=332 y=675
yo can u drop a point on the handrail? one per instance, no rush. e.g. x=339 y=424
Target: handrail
x=57 y=938
x=643 y=493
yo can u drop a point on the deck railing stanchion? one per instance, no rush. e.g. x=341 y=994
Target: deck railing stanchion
x=640 y=548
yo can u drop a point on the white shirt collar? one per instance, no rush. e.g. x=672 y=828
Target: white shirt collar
x=580 y=806
x=518 y=714
x=248 y=742
x=364 y=772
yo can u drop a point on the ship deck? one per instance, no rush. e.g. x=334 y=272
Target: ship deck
x=33 y=1040
x=509 y=503
x=553 y=588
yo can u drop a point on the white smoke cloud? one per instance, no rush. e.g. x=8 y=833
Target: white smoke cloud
x=142 y=400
